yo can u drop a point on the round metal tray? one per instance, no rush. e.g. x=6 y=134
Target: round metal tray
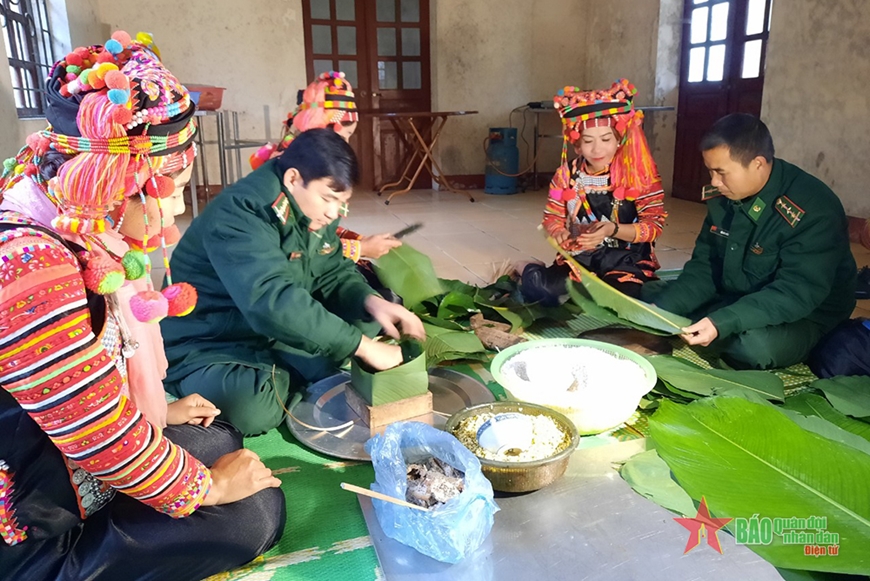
x=323 y=405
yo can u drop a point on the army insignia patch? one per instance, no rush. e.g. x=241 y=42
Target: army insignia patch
x=789 y=210
x=756 y=249
x=756 y=209
x=295 y=255
x=327 y=248
x=709 y=192
x=281 y=207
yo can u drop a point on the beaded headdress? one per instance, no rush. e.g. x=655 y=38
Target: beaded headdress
x=327 y=101
x=125 y=122
x=632 y=169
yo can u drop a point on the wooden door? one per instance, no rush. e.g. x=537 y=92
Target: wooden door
x=382 y=46
x=721 y=72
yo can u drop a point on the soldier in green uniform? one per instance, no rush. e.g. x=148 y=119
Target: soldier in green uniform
x=772 y=270
x=279 y=306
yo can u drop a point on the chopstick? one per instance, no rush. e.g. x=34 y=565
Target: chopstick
x=379 y=496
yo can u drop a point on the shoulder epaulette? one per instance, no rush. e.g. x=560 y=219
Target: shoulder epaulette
x=789 y=210
x=282 y=209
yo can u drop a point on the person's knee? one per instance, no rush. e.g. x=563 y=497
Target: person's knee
x=250 y=398
x=262 y=525
x=753 y=350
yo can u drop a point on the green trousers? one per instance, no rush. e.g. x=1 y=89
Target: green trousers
x=250 y=387
x=770 y=347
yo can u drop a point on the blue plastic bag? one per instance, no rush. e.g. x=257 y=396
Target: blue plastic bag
x=447 y=532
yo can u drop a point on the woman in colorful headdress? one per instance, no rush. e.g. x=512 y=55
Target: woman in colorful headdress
x=329 y=102
x=82 y=411
x=607 y=207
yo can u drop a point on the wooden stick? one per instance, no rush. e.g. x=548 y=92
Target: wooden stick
x=379 y=496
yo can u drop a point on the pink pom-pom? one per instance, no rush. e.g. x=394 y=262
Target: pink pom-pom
x=149 y=306
x=160 y=187
x=122 y=115
x=117 y=80
x=122 y=37
x=181 y=297
x=74 y=59
x=103 y=275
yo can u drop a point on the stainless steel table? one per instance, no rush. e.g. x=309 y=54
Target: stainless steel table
x=589 y=525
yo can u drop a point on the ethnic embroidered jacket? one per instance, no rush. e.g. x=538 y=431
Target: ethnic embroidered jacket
x=62 y=402
x=780 y=256
x=591 y=198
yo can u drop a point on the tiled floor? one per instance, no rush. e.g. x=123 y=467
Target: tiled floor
x=470 y=241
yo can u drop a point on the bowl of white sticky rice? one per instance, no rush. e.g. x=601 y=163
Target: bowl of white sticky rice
x=597 y=385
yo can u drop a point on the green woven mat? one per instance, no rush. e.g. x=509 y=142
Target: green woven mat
x=326 y=537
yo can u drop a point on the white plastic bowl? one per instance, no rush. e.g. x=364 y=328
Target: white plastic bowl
x=601 y=401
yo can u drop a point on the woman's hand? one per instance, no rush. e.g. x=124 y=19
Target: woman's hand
x=193 y=409
x=594 y=235
x=561 y=236
x=376 y=246
x=236 y=476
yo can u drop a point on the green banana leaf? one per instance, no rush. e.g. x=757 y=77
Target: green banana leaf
x=650 y=477
x=581 y=298
x=455 y=305
x=668 y=390
x=408 y=273
x=409 y=379
x=750 y=459
x=443 y=323
x=795 y=575
x=625 y=306
x=827 y=429
x=810 y=404
x=848 y=394
x=445 y=345
x=686 y=376
x=450 y=285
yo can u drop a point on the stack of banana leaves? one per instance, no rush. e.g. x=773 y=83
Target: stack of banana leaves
x=791 y=470
x=462 y=322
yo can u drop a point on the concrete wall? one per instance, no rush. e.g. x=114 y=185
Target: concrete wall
x=493 y=56
x=641 y=42
x=254 y=48
x=815 y=92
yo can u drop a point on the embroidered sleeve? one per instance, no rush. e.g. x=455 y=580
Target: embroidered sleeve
x=351 y=249
x=10 y=532
x=651 y=214
x=556 y=210
x=52 y=363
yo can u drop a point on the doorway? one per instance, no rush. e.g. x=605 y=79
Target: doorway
x=382 y=46
x=721 y=72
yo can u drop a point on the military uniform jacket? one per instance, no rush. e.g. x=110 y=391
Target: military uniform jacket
x=777 y=257
x=262 y=277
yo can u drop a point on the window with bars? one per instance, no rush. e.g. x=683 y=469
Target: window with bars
x=27 y=34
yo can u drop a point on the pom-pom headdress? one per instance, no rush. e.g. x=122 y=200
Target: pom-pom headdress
x=632 y=170
x=125 y=120
x=327 y=101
